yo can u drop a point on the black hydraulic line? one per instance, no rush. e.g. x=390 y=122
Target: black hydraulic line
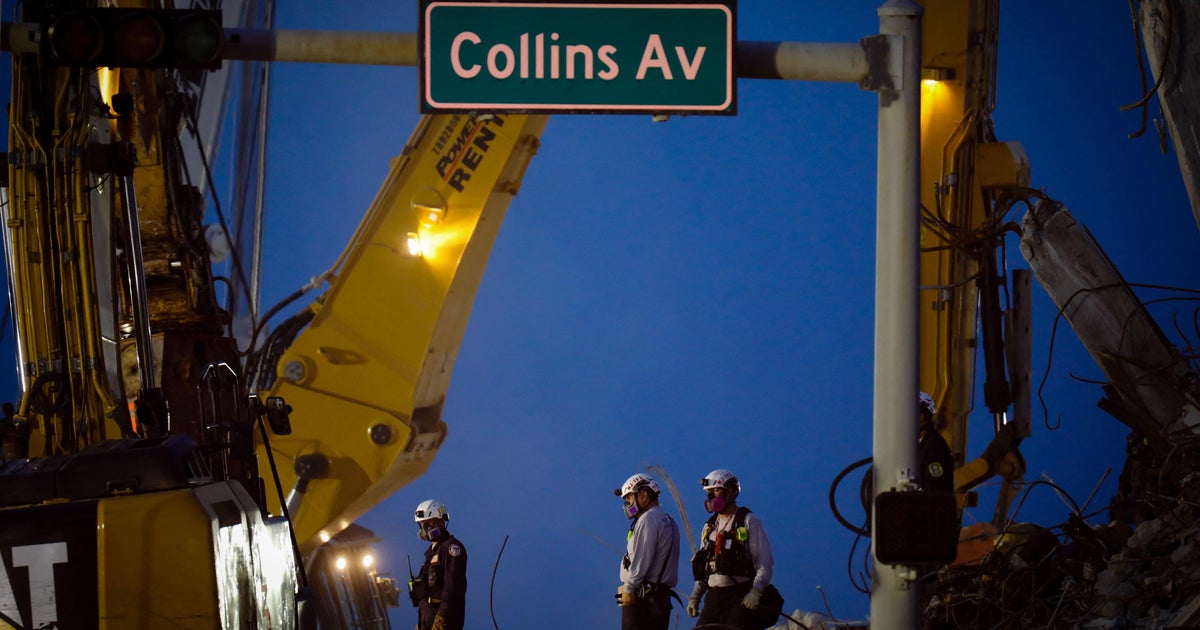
x=261 y=366
x=234 y=256
x=833 y=490
x=303 y=574
x=996 y=392
x=125 y=157
x=860 y=532
x=270 y=313
x=492 y=588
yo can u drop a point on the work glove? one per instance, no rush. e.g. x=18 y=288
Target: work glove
x=626 y=597
x=439 y=623
x=693 y=605
x=751 y=599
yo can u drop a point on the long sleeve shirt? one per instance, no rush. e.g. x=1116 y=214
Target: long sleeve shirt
x=652 y=551
x=446 y=571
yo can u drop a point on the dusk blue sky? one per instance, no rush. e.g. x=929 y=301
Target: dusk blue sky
x=699 y=294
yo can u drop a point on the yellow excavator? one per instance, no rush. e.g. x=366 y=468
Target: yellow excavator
x=166 y=469
x=174 y=468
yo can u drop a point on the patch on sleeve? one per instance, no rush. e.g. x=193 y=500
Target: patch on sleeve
x=935 y=469
x=454 y=550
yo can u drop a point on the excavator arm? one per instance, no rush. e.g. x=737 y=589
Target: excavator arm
x=969 y=180
x=143 y=431
x=366 y=368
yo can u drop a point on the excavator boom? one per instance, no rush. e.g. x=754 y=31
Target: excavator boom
x=367 y=374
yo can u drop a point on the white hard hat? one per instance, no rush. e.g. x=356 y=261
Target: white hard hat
x=430 y=509
x=721 y=478
x=635 y=483
x=925 y=403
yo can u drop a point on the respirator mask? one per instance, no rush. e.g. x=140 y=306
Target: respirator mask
x=713 y=503
x=429 y=531
x=629 y=505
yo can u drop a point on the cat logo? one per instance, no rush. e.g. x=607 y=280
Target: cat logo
x=38 y=561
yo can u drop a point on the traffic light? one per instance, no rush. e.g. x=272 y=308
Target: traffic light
x=137 y=38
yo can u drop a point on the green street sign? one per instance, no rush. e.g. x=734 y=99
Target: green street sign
x=552 y=57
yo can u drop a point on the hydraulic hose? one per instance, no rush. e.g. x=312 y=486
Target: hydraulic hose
x=833 y=491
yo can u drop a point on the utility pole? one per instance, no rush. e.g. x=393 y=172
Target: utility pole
x=897 y=236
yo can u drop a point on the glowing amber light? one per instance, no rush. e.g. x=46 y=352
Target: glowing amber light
x=413 y=245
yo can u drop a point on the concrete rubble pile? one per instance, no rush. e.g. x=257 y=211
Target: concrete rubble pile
x=1154 y=581
x=1141 y=570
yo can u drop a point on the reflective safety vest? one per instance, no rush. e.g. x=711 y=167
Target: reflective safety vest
x=728 y=554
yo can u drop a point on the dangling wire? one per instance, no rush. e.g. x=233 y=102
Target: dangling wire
x=833 y=501
x=492 y=588
x=1137 y=39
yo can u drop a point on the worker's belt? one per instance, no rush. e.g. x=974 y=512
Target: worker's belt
x=433 y=600
x=721 y=580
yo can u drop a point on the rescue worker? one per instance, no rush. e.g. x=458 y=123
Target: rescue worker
x=439 y=591
x=734 y=564
x=937 y=462
x=935 y=458
x=650 y=568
